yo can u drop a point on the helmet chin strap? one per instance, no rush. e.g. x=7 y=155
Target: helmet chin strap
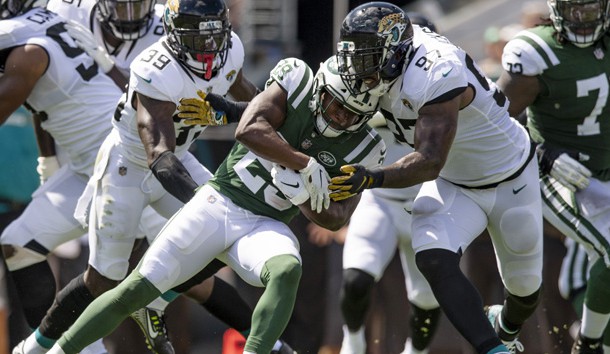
x=207 y=60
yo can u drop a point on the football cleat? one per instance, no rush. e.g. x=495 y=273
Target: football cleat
x=284 y=349
x=19 y=348
x=510 y=340
x=152 y=324
x=584 y=345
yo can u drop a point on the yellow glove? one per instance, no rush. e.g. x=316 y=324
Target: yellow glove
x=195 y=111
x=356 y=179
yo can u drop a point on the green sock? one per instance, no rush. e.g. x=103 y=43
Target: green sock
x=281 y=276
x=597 y=297
x=104 y=314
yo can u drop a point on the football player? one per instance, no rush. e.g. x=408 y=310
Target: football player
x=380 y=224
x=43 y=69
x=298 y=123
x=559 y=72
x=474 y=161
x=114 y=33
x=200 y=56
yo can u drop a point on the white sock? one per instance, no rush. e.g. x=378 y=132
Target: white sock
x=410 y=350
x=249 y=352
x=158 y=304
x=32 y=347
x=56 y=350
x=593 y=323
x=277 y=345
x=353 y=342
x=606 y=349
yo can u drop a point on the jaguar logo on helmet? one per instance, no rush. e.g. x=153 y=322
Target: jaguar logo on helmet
x=327 y=158
x=173 y=5
x=394 y=24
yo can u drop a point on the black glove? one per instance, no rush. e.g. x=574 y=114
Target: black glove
x=232 y=109
x=356 y=179
x=173 y=176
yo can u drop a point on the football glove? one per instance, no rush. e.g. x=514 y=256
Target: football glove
x=356 y=179
x=47 y=166
x=195 y=111
x=315 y=178
x=563 y=166
x=290 y=184
x=232 y=109
x=84 y=39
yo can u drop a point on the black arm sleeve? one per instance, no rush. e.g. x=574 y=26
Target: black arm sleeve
x=173 y=176
x=232 y=109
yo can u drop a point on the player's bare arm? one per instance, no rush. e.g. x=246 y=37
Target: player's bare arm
x=335 y=217
x=24 y=67
x=434 y=133
x=257 y=129
x=521 y=89
x=242 y=89
x=155 y=126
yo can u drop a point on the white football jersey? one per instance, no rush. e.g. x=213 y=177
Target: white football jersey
x=156 y=73
x=75 y=99
x=85 y=13
x=489 y=145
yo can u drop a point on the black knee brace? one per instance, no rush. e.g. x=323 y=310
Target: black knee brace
x=355 y=296
x=518 y=309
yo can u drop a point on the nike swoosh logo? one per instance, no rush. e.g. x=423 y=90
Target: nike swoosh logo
x=147 y=80
x=515 y=191
x=296 y=185
x=517 y=54
x=447 y=73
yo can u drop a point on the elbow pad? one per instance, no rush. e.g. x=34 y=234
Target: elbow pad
x=173 y=176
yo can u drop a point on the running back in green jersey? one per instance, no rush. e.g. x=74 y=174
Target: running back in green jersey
x=570 y=113
x=246 y=179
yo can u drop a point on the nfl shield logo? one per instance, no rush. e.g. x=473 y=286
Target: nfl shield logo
x=122 y=171
x=306 y=144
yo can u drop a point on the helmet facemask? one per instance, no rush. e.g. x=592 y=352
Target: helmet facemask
x=376 y=40
x=201 y=42
x=126 y=19
x=581 y=22
x=330 y=95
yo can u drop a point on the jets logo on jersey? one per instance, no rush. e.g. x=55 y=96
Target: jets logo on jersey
x=327 y=158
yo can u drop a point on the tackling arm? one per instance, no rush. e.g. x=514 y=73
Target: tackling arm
x=520 y=90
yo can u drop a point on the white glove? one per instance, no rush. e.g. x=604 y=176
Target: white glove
x=316 y=181
x=84 y=39
x=570 y=173
x=290 y=184
x=47 y=166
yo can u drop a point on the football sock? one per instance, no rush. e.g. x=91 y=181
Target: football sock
x=423 y=325
x=280 y=275
x=70 y=302
x=458 y=298
x=226 y=305
x=515 y=312
x=108 y=311
x=355 y=297
x=35 y=286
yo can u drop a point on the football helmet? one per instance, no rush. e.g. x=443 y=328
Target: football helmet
x=581 y=22
x=199 y=34
x=12 y=8
x=126 y=19
x=375 y=40
x=328 y=80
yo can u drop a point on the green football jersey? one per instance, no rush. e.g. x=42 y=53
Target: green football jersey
x=245 y=177
x=572 y=110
